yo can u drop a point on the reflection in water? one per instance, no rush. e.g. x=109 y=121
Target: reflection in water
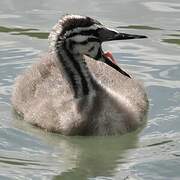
x=39 y=35
x=84 y=157
x=97 y=156
x=139 y=27
x=163 y=6
x=24 y=31
x=175 y=35
x=17 y=161
x=160 y=143
x=172 y=41
x=7 y=29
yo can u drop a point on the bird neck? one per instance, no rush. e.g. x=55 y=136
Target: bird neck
x=75 y=70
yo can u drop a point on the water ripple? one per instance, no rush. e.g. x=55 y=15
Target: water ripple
x=163 y=6
x=31 y=32
x=27 y=152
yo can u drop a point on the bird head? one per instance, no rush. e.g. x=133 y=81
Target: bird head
x=83 y=35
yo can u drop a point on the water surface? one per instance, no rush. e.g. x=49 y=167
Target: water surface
x=29 y=153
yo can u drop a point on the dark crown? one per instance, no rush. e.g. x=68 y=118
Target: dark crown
x=70 y=22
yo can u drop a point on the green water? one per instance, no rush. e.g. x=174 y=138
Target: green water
x=154 y=153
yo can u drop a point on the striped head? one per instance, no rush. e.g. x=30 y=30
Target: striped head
x=84 y=36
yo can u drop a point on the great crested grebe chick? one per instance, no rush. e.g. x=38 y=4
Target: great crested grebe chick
x=77 y=89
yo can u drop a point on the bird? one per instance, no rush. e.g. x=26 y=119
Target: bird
x=76 y=88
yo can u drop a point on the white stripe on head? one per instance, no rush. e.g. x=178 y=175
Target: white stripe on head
x=71 y=16
x=79 y=48
x=84 y=49
x=58 y=28
x=79 y=29
x=80 y=38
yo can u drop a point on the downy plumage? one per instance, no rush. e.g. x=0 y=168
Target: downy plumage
x=76 y=89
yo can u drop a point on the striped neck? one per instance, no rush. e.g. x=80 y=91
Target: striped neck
x=75 y=70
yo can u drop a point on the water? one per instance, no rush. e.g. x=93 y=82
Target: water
x=29 y=153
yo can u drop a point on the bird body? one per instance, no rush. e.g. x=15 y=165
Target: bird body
x=75 y=89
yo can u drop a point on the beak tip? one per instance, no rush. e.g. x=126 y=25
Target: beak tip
x=137 y=37
x=124 y=36
x=142 y=36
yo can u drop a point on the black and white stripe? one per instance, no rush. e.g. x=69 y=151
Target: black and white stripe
x=70 y=55
x=73 y=37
